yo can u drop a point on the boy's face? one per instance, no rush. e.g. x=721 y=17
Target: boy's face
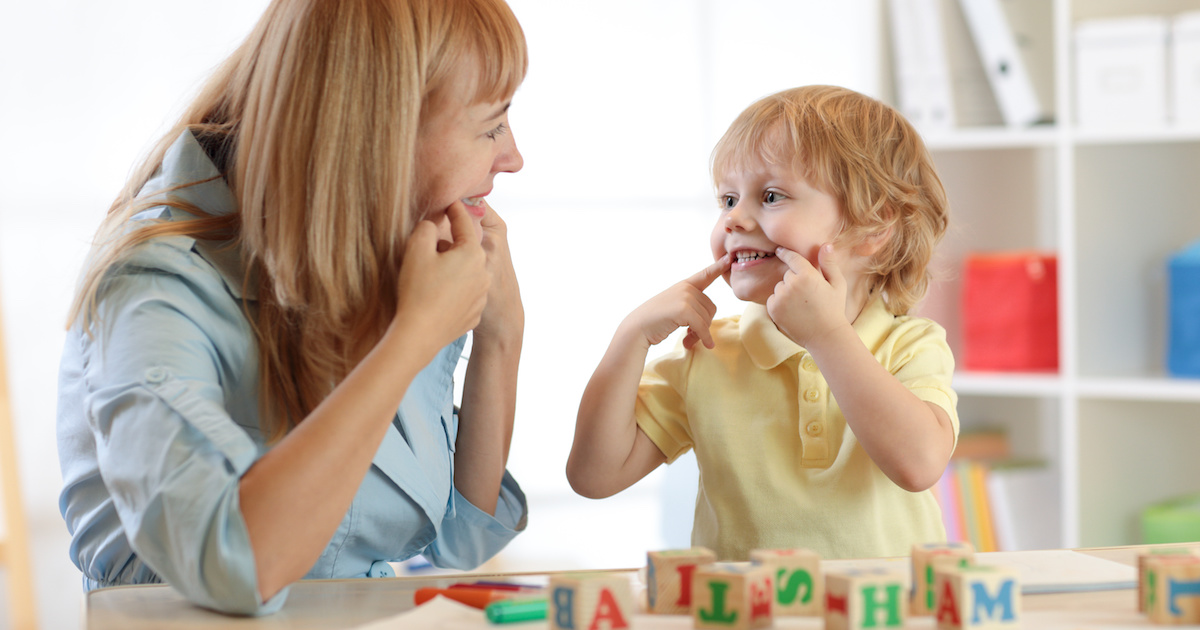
x=764 y=206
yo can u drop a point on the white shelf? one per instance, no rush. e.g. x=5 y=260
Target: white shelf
x=1141 y=389
x=1007 y=384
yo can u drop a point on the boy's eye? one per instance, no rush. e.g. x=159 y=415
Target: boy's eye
x=728 y=202
x=772 y=197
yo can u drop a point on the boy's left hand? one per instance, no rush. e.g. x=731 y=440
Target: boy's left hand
x=809 y=302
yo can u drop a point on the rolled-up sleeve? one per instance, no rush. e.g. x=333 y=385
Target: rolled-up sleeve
x=468 y=536
x=168 y=450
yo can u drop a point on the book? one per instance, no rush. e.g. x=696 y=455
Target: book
x=1004 y=62
x=1022 y=493
x=921 y=66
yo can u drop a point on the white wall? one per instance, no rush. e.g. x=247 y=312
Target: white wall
x=623 y=102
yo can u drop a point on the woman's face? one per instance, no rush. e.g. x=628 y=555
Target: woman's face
x=460 y=148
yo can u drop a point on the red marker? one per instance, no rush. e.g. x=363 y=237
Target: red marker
x=474 y=597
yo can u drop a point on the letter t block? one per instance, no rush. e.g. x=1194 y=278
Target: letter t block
x=728 y=596
x=799 y=585
x=669 y=578
x=865 y=599
x=977 y=597
x=590 y=600
x=923 y=566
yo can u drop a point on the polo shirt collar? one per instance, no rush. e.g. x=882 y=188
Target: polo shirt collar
x=768 y=346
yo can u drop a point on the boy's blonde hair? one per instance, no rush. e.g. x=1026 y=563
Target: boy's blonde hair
x=313 y=122
x=869 y=158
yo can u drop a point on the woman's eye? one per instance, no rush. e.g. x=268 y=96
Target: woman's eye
x=498 y=131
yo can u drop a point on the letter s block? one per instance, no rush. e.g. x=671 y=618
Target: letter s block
x=977 y=597
x=799 y=584
x=669 y=578
x=581 y=601
x=728 y=596
x=865 y=599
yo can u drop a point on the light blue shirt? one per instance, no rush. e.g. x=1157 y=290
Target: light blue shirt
x=158 y=421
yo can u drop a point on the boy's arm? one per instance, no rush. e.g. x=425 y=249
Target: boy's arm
x=909 y=439
x=610 y=453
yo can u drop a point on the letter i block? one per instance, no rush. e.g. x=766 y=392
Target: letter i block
x=925 y=559
x=799 y=585
x=728 y=596
x=669 y=578
x=861 y=599
x=1143 y=587
x=1173 y=585
x=590 y=600
x=977 y=597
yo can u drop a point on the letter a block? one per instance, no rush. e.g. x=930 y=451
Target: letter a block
x=585 y=601
x=977 y=597
x=799 y=585
x=728 y=596
x=860 y=599
x=669 y=578
x=924 y=560
x=1173 y=589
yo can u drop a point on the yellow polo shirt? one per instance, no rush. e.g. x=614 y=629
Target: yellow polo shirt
x=779 y=467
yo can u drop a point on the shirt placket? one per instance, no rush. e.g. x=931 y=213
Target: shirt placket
x=816 y=450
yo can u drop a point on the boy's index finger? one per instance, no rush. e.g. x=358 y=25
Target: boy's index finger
x=706 y=276
x=793 y=260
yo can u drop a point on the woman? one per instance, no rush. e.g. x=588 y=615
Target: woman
x=257 y=385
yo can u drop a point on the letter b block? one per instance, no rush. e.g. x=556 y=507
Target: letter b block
x=925 y=559
x=865 y=599
x=728 y=596
x=799 y=585
x=590 y=601
x=977 y=597
x=669 y=578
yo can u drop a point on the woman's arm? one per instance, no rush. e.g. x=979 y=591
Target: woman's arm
x=610 y=453
x=293 y=498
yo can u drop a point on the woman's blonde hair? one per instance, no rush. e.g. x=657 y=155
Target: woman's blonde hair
x=869 y=158
x=313 y=122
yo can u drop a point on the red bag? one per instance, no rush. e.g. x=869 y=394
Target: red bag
x=1010 y=312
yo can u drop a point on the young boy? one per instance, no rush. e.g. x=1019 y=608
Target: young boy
x=823 y=414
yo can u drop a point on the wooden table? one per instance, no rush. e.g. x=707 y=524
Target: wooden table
x=347 y=603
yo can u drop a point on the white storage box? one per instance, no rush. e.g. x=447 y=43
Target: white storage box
x=1185 y=69
x=1121 y=72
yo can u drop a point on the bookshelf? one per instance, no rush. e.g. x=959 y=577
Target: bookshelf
x=1117 y=432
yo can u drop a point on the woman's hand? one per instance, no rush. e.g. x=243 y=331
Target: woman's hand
x=442 y=294
x=504 y=315
x=682 y=305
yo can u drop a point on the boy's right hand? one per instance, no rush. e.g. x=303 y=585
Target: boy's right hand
x=682 y=305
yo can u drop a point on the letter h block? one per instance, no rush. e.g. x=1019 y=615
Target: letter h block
x=977 y=597
x=1173 y=589
x=864 y=599
x=799 y=585
x=669 y=578
x=579 y=601
x=926 y=558
x=728 y=596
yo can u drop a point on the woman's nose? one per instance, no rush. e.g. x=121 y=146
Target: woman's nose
x=509 y=160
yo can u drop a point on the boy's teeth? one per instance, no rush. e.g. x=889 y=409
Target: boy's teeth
x=744 y=256
x=473 y=201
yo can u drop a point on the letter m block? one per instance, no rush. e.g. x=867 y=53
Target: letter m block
x=977 y=597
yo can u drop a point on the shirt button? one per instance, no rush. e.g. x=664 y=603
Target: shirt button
x=812 y=395
x=155 y=375
x=808 y=364
x=813 y=428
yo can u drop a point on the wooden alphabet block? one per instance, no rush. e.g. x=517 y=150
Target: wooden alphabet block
x=1143 y=591
x=923 y=567
x=977 y=597
x=858 y=599
x=1173 y=589
x=590 y=600
x=727 y=596
x=669 y=578
x=799 y=584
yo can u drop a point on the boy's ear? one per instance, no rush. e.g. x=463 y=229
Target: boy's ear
x=873 y=242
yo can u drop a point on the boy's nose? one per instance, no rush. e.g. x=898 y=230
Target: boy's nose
x=736 y=219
